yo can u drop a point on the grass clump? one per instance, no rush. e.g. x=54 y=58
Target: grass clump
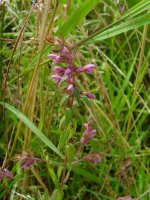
x=74 y=100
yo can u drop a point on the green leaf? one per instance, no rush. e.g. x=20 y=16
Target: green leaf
x=124 y=27
x=129 y=15
x=70 y=154
x=87 y=174
x=68 y=116
x=131 y=3
x=76 y=93
x=53 y=175
x=64 y=99
x=77 y=16
x=34 y=129
x=57 y=194
x=137 y=9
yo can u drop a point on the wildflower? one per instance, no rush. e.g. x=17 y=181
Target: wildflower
x=68 y=75
x=87 y=136
x=93 y=158
x=70 y=89
x=88 y=68
x=16 y=101
x=68 y=72
x=5 y=173
x=26 y=160
x=89 y=95
x=58 y=70
x=65 y=50
x=55 y=57
x=89 y=131
x=57 y=78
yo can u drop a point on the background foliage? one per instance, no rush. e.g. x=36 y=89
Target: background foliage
x=115 y=36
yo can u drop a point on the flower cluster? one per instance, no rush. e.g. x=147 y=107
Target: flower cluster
x=93 y=158
x=89 y=131
x=65 y=74
x=68 y=73
x=5 y=173
x=26 y=160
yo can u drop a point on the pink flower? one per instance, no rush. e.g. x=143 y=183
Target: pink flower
x=65 y=50
x=28 y=162
x=70 y=89
x=16 y=102
x=57 y=78
x=5 y=173
x=68 y=72
x=88 y=68
x=89 y=95
x=86 y=137
x=88 y=133
x=93 y=158
x=53 y=56
x=58 y=70
x=56 y=58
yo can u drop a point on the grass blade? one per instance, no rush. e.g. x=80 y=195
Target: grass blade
x=77 y=16
x=124 y=27
x=30 y=125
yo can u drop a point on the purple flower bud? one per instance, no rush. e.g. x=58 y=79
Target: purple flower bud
x=56 y=58
x=88 y=133
x=28 y=162
x=88 y=68
x=65 y=50
x=70 y=89
x=86 y=126
x=16 y=101
x=53 y=56
x=67 y=72
x=58 y=70
x=57 y=78
x=8 y=174
x=89 y=95
x=86 y=138
x=4 y=173
x=93 y=158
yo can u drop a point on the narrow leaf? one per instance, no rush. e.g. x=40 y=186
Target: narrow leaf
x=35 y=130
x=77 y=16
x=124 y=27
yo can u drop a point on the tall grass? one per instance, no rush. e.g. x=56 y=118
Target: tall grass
x=41 y=153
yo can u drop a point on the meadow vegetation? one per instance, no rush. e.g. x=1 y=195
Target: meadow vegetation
x=75 y=99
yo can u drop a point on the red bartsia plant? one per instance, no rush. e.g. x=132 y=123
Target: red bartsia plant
x=26 y=161
x=5 y=173
x=65 y=74
x=93 y=158
x=88 y=131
